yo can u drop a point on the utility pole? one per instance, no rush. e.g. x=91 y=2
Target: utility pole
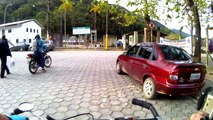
x=106 y=41
x=5 y=11
x=207 y=45
x=48 y=23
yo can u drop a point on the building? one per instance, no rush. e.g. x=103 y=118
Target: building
x=21 y=31
x=138 y=36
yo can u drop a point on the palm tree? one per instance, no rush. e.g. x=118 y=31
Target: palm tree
x=67 y=5
x=95 y=9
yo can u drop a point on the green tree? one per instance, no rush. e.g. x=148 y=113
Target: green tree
x=96 y=9
x=1 y=14
x=146 y=9
x=124 y=17
x=67 y=5
x=195 y=9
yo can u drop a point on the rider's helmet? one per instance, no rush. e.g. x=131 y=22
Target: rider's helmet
x=37 y=37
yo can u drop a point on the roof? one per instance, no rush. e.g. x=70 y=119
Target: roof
x=154 y=33
x=21 y=22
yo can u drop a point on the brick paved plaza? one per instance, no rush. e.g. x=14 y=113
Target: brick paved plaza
x=83 y=81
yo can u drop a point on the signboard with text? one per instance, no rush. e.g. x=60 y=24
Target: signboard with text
x=80 y=30
x=185 y=44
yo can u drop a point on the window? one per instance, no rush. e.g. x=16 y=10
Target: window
x=30 y=40
x=145 y=52
x=34 y=30
x=133 y=51
x=9 y=31
x=24 y=40
x=175 y=53
x=26 y=29
x=17 y=40
x=30 y=30
x=155 y=55
x=37 y=31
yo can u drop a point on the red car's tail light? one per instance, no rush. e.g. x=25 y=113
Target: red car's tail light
x=173 y=76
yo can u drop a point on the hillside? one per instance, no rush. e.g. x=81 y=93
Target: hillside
x=183 y=33
x=162 y=27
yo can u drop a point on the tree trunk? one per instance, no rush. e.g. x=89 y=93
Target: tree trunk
x=65 y=29
x=147 y=21
x=194 y=9
x=148 y=30
x=61 y=39
x=95 y=21
x=197 y=54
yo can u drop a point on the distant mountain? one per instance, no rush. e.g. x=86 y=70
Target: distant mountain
x=163 y=28
x=183 y=33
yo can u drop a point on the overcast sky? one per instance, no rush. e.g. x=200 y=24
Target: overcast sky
x=174 y=24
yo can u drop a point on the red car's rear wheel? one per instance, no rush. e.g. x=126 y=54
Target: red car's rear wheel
x=118 y=68
x=149 y=88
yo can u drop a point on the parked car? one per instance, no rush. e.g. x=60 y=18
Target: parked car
x=21 y=46
x=47 y=43
x=162 y=69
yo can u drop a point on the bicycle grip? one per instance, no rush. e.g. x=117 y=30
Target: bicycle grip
x=141 y=103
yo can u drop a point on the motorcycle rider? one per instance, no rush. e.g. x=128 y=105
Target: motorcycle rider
x=39 y=45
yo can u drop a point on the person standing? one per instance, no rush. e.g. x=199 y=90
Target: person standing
x=4 y=52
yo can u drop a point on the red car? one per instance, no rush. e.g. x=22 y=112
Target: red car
x=162 y=69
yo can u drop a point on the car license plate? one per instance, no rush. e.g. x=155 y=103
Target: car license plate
x=195 y=76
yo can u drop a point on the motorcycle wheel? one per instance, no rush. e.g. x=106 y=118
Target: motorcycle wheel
x=48 y=61
x=33 y=67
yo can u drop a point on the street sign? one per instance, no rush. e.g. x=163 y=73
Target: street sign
x=151 y=25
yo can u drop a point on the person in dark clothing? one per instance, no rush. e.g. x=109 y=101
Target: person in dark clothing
x=39 y=50
x=4 y=52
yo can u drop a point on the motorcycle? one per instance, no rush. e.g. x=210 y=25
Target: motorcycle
x=35 y=62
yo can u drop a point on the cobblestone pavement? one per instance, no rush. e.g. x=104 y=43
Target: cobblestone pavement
x=83 y=81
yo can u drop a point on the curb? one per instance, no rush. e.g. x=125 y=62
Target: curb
x=87 y=49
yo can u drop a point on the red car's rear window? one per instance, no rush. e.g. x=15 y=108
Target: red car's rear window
x=174 y=53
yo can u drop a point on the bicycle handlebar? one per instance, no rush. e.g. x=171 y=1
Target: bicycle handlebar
x=146 y=105
x=135 y=101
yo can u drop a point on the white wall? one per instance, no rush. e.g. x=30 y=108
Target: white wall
x=19 y=32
